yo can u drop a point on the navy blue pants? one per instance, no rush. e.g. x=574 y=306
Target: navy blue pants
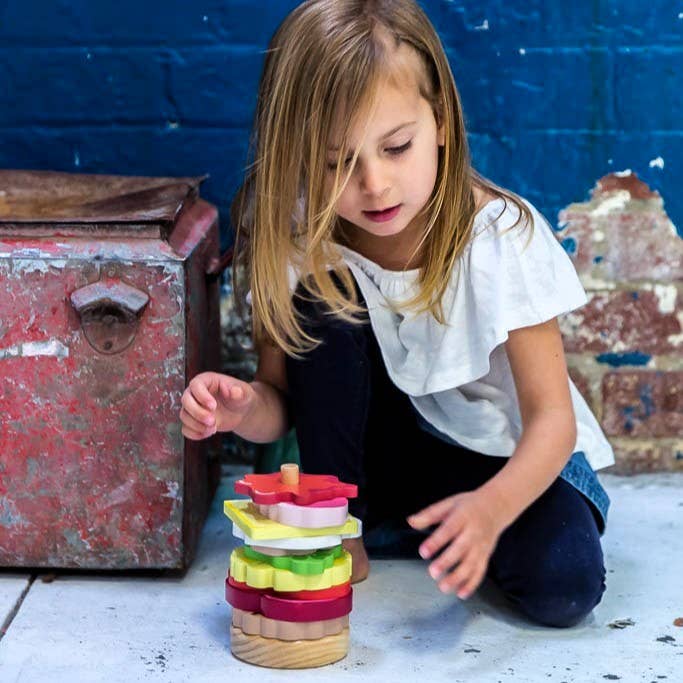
x=353 y=422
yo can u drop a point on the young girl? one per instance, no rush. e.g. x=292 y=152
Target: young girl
x=405 y=311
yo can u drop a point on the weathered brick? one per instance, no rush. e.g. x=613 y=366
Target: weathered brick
x=645 y=321
x=582 y=384
x=622 y=234
x=639 y=457
x=643 y=403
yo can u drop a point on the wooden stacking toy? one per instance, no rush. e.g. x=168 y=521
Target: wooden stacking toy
x=290 y=583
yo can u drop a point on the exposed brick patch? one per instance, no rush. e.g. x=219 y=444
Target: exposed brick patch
x=625 y=321
x=623 y=235
x=583 y=385
x=643 y=404
x=614 y=182
x=639 y=457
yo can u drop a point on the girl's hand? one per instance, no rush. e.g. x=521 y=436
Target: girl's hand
x=470 y=529
x=214 y=403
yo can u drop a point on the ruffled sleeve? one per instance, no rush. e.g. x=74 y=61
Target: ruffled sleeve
x=505 y=279
x=521 y=276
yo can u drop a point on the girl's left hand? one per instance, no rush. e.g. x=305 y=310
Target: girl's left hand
x=470 y=527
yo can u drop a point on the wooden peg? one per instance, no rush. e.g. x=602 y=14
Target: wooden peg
x=289 y=473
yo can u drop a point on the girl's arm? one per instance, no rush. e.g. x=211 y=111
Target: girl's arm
x=548 y=422
x=469 y=524
x=267 y=419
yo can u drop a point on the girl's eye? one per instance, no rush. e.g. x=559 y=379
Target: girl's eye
x=395 y=151
x=332 y=165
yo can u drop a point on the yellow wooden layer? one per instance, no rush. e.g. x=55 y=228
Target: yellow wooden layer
x=258 y=527
x=263 y=575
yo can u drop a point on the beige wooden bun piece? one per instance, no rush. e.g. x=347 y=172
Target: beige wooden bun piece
x=254 y=624
x=283 y=654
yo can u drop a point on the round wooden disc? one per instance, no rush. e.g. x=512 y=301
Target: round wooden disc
x=282 y=654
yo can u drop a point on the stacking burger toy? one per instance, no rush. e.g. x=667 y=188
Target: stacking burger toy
x=290 y=584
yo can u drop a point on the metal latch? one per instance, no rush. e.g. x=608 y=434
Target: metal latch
x=110 y=311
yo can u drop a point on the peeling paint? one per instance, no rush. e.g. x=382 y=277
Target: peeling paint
x=619 y=359
x=677 y=339
x=26 y=265
x=613 y=202
x=53 y=347
x=9 y=516
x=590 y=282
x=666 y=297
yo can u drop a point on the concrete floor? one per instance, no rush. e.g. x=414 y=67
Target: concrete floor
x=109 y=628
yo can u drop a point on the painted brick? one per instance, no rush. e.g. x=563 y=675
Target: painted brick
x=626 y=321
x=536 y=164
x=648 y=74
x=83 y=85
x=216 y=86
x=494 y=83
x=128 y=22
x=526 y=23
x=643 y=404
x=638 y=23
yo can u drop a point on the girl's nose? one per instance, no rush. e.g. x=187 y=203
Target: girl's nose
x=374 y=180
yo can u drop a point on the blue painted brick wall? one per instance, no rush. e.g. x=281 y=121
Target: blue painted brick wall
x=556 y=94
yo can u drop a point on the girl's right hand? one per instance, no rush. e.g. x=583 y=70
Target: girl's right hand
x=214 y=403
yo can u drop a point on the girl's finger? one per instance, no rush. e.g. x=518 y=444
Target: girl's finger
x=447 y=530
x=193 y=434
x=193 y=423
x=459 y=576
x=202 y=395
x=465 y=591
x=449 y=557
x=431 y=515
x=195 y=410
x=233 y=390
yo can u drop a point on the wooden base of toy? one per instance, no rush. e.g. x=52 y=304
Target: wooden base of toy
x=282 y=654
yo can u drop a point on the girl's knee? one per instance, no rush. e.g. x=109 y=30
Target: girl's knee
x=562 y=600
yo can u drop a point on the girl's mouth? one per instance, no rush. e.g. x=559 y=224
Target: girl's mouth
x=382 y=216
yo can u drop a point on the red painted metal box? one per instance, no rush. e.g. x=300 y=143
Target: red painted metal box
x=108 y=306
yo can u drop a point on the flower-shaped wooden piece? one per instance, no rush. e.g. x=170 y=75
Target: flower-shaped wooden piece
x=263 y=575
x=288 y=486
x=315 y=562
x=271 y=605
x=249 y=598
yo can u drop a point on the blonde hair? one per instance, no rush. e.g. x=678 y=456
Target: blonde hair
x=329 y=56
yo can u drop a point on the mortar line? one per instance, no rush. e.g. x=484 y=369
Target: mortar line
x=17 y=606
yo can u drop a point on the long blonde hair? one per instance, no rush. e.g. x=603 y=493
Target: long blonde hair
x=329 y=56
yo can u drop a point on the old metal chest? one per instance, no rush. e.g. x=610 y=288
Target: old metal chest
x=108 y=307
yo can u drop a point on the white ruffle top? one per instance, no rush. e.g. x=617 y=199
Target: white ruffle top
x=457 y=375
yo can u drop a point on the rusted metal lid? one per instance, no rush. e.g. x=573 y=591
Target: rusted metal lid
x=42 y=197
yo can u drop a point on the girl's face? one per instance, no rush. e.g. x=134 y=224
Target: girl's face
x=397 y=165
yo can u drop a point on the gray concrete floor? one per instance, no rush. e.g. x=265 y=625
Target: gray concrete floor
x=117 y=628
